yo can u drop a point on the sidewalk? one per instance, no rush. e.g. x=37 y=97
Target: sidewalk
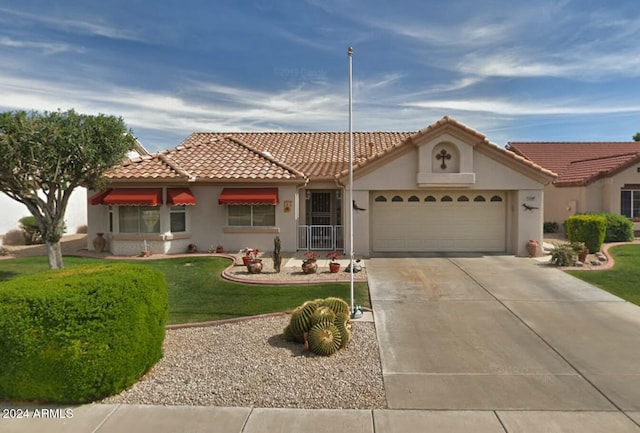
x=95 y=418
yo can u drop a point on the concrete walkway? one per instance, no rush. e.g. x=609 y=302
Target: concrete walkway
x=468 y=344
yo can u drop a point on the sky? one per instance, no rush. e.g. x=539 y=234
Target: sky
x=545 y=70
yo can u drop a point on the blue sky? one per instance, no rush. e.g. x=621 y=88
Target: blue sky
x=547 y=70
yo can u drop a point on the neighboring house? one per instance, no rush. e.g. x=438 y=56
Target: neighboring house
x=592 y=177
x=444 y=188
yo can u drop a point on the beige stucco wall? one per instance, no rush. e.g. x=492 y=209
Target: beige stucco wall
x=601 y=195
x=611 y=197
x=401 y=174
x=206 y=226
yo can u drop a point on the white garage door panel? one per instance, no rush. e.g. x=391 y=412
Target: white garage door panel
x=438 y=226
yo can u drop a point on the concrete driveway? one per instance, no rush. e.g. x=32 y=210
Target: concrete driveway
x=502 y=333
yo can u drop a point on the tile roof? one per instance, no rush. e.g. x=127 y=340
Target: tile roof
x=281 y=156
x=579 y=163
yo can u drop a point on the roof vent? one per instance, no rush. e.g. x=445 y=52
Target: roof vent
x=371 y=149
x=267 y=154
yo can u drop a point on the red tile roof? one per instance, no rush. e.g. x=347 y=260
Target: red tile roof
x=282 y=156
x=579 y=163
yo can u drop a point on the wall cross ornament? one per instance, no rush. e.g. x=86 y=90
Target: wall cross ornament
x=444 y=156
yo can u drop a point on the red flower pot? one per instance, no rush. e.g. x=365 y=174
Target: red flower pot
x=334 y=267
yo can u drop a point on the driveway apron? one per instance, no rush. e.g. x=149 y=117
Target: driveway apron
x=501 y=333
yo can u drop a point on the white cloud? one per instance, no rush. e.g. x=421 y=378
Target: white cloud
x=81 y=25
x=514 y=108
x=45 y=47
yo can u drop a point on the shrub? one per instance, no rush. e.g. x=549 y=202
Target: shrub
x=619 y=227
x=14 y=237
x=550 y=227
x=31 y=229
x=563 y=255
x=82 y=229
x=80 y=334
x=590 y=229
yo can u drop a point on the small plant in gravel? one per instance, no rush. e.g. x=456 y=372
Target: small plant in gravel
x=563 y=255
x=323 y=325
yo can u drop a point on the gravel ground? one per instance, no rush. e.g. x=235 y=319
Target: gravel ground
x=250 y=364
x=293 y=272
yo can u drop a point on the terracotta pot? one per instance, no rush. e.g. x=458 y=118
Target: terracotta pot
x=219 y=249
x=99 y=242
x=255 y=266
x=309 y=266
x=246 y=260
x=334 y=267
x=532 y=248
x=583 y=255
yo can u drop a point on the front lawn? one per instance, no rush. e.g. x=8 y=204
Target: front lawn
x=198 y=293
x=622 y=280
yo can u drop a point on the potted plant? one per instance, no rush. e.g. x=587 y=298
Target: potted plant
x=581 y=250
x=249 y=254
x=251 y=260
x=334 y=266
x=309 y=265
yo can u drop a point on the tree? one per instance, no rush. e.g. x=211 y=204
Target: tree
x=45 y=156
x=636 y=137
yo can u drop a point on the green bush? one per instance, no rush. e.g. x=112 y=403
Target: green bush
x=550 y=227
x=590 y=229
x=80 y=334
x=31 y=229
x=619 y=227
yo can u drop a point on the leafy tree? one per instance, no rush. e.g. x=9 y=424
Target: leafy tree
x=636 y=137
x=45 y=156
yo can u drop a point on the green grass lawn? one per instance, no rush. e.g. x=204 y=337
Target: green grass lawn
x=623 y=279
x=198 y=293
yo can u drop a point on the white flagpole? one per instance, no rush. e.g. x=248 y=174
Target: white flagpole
x=350 y=52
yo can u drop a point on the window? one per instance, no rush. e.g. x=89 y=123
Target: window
x=630 y=203
x=413 y=198
x=139 y=219
x=479 y=198
x=446 y=198
x=463 y=198
x=251 y=215
x=380 y=198
x=496 y=198
x=397 y=198
x=178 y=219
x=429 y=198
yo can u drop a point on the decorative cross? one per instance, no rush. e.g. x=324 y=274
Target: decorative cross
x=443 y=155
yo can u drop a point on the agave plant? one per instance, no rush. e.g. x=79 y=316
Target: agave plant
x=324 y=339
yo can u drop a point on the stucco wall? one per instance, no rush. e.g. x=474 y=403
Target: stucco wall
x=630 y=175
x=400 y=174
x=206 y=226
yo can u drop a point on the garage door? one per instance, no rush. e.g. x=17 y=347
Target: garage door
x=438 y=221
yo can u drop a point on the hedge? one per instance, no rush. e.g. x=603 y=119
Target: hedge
x=589 y=229
x=80 y=334
x=619 y=227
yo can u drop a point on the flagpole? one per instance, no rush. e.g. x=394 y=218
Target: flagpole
x=351 y=273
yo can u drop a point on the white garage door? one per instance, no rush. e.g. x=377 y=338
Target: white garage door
x=439 y=221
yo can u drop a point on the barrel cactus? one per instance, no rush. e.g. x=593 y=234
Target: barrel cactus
x=338 y=305
x=324 y=339
x=346 y=330
x=323 y=325
x=301 y=319
x=322 y=314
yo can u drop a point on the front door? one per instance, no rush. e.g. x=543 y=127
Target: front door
x=324 y=219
